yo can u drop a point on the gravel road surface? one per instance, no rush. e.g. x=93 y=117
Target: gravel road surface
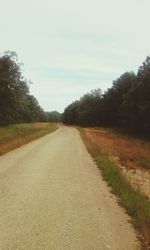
x=52 y=197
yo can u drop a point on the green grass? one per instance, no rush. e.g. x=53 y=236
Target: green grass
x=14 y=136
x=136 y=205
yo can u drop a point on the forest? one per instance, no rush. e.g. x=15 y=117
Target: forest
x=17 y=105
x=126 y=105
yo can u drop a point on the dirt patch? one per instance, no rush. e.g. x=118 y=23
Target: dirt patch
x=129 y=153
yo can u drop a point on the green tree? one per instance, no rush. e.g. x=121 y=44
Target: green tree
x=70 y=115
x=16 y=104
x=114 y=98
x=12 y=89
x=53 y=116
x=89 y=108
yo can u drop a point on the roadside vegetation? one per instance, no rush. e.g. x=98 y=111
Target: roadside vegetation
x=17 y=105
x=126 y=105
x=14 y=136
x=53 y=116
x=130 y=151
x=136 y=205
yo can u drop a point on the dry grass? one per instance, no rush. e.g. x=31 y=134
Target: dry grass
x=131 y=152
x=136 y=205
x=15 y=136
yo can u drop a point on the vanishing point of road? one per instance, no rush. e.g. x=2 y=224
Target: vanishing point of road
x=52 y=197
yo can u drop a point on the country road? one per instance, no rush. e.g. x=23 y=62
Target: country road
x=52 y=197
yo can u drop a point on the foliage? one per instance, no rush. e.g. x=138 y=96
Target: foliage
x=16 y=104
x=125 y=105
x=86 y=111
x=53 y=116
x=136 y=205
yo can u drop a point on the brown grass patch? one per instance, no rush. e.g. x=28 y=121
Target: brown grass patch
x=14 y=136
x=99 y=143
x=131 y=152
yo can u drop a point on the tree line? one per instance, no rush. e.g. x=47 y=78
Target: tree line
x=53 y=116
x=16 y=103
x=126 y=105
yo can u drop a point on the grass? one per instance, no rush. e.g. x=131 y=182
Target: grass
x=131 y=152
x=136 y=205
x=14 y=136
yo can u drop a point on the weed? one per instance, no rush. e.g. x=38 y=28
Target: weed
x=16 y=135
x=136 y=205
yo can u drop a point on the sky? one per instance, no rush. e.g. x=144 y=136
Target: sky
x=69 y=47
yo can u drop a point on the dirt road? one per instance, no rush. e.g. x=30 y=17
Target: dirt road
x=52 y=197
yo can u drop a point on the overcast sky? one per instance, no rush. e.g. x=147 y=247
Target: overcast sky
x=70 y=47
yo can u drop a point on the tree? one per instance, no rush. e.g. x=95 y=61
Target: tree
x=12 y=89
x=125 y=105
x=16 y=104
x=86 y=111
x=70 y=115
x=53 y=116
x=89 y=108
x=114 y=98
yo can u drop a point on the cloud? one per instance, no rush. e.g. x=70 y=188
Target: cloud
x=50 y=93
x=69 y=47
